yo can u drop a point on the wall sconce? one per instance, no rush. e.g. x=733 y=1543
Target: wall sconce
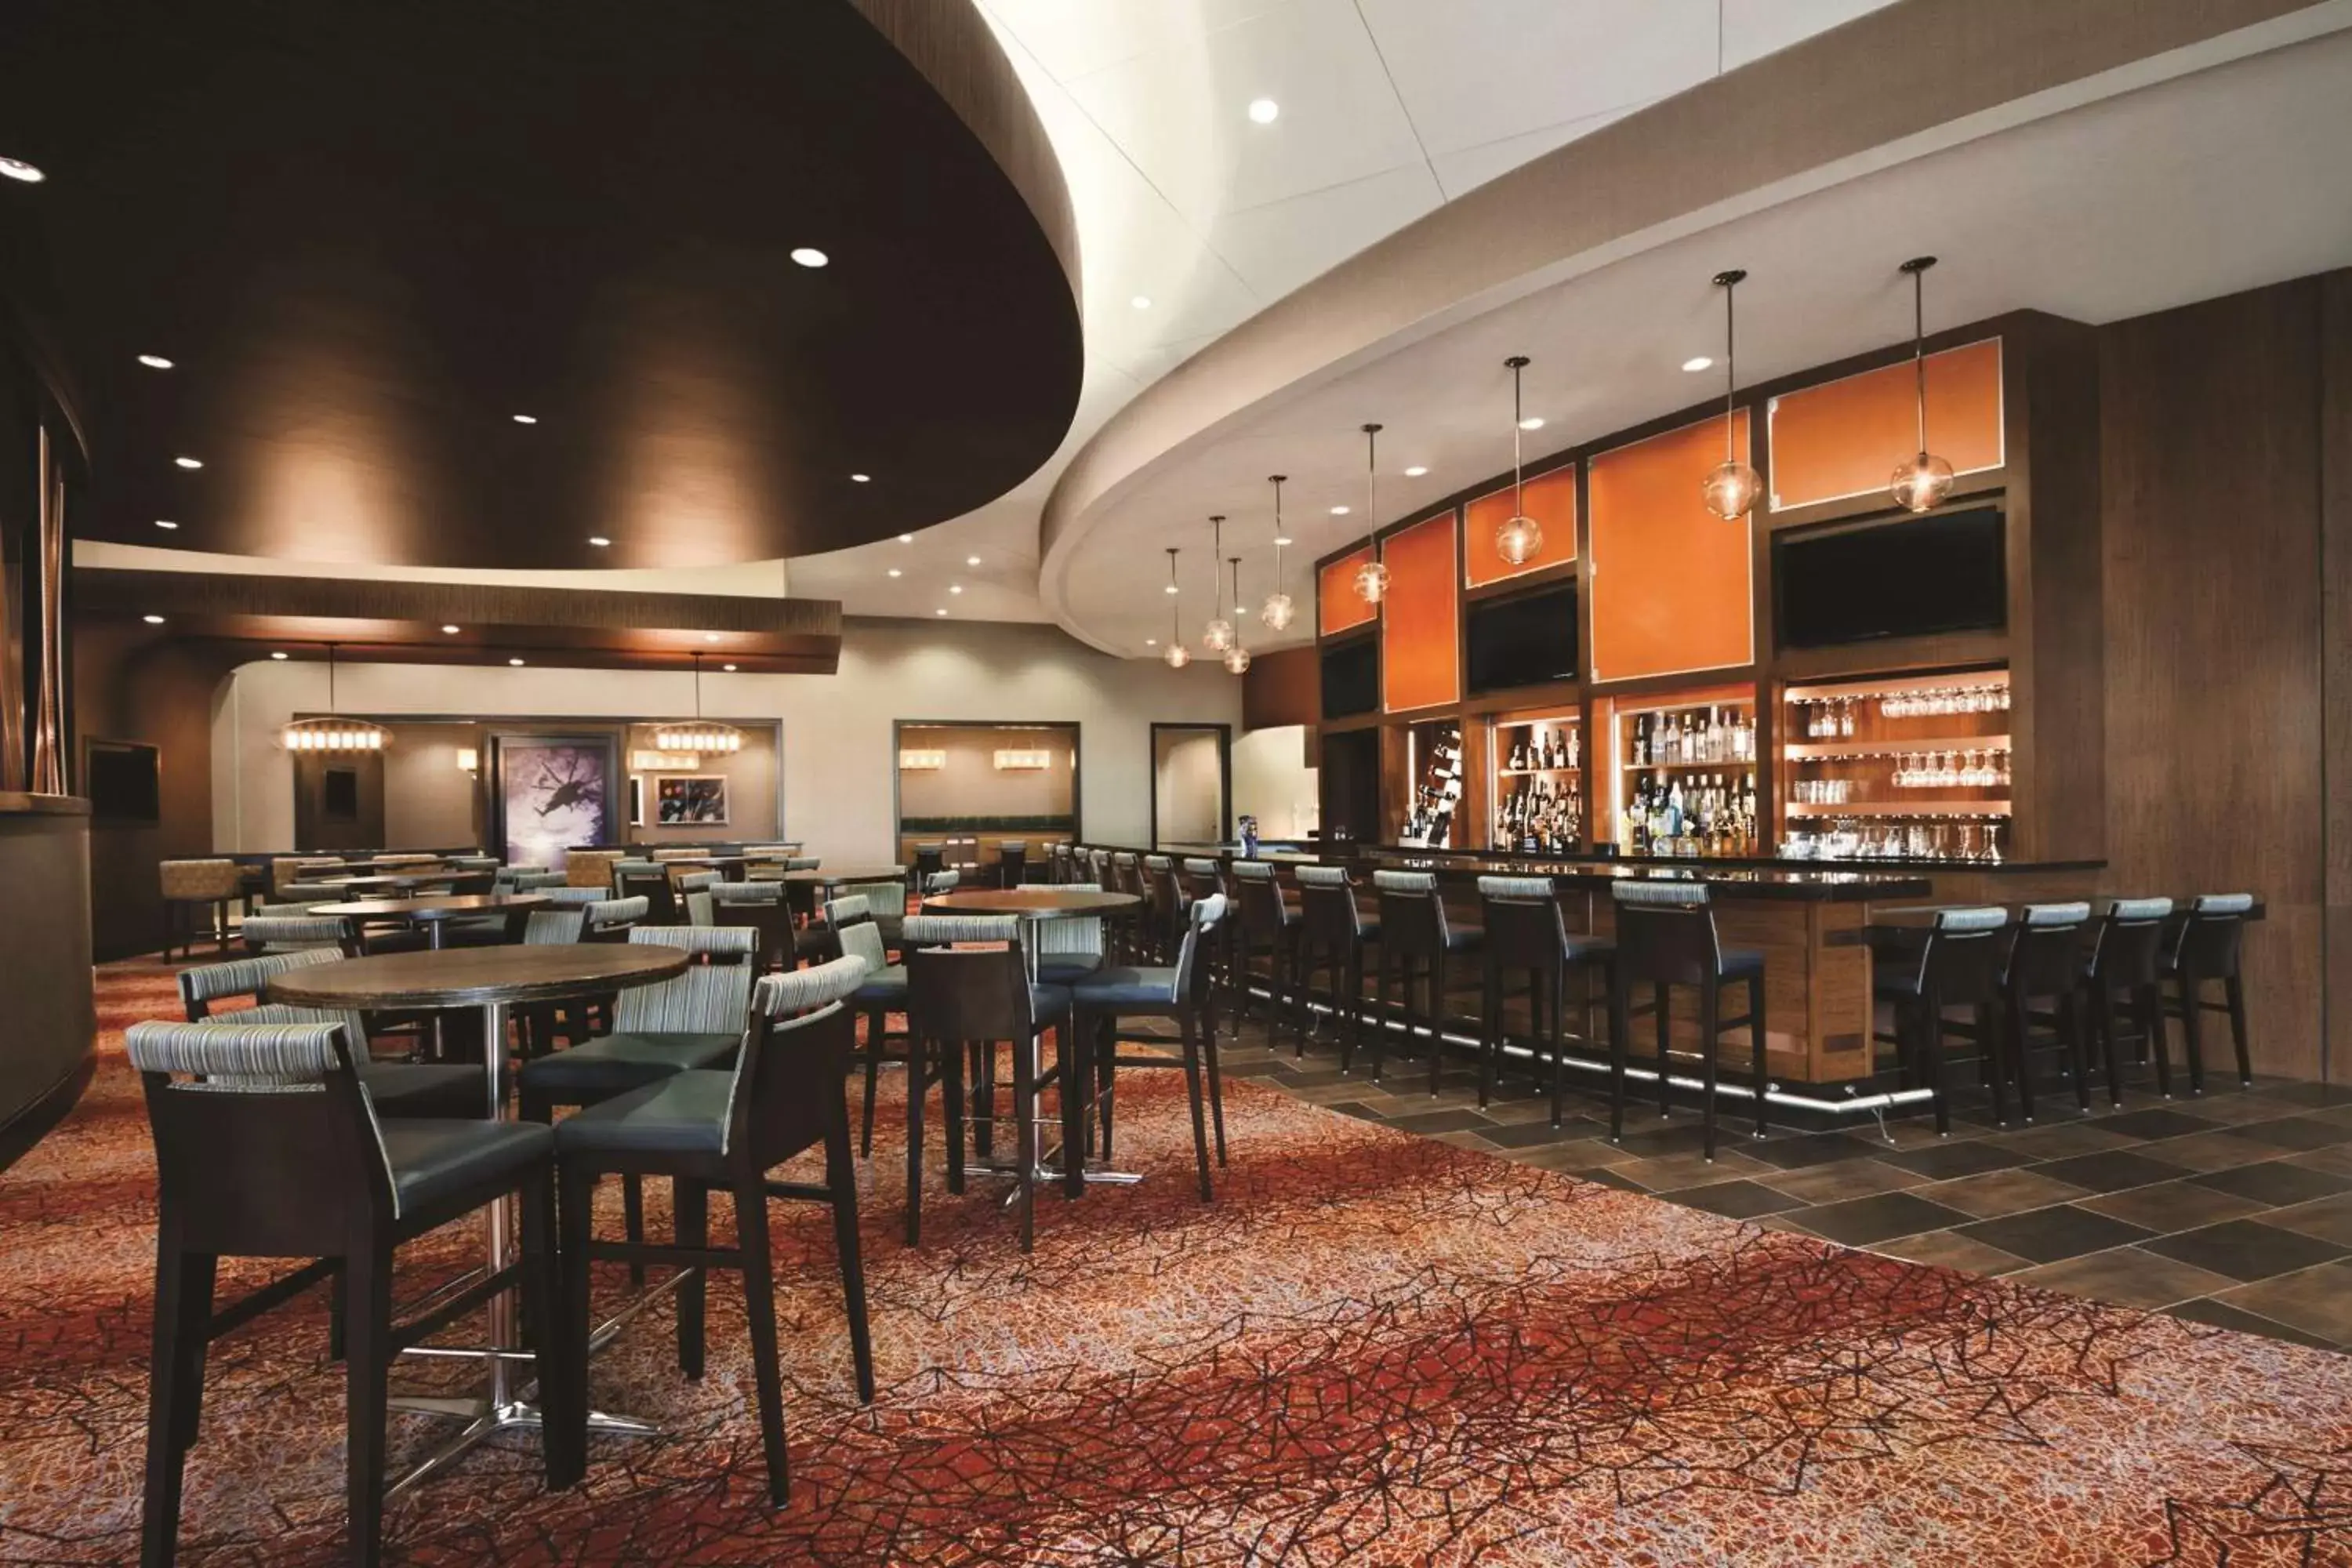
x=469 y=761
x=922 y=762
x=1023 y=760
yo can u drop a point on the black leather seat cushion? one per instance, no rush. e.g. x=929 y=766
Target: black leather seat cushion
x=1741 y=962
x=614 y=1064
x=888 y=987
x=1067 y=968
x=1461 y=938
x=432 y=1159
x=426 y=1089
x=1126 y=987
x=685 y=1113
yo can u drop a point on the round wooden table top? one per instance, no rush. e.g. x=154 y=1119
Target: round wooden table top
x=477 y=976
x=1038 y=902
x=435 y=907
x=401 y=879
x=822 y=877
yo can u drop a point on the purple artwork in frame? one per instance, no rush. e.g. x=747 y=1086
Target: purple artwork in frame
x=555 y=796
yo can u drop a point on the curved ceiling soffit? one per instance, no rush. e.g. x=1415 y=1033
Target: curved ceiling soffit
x=1792 y=123
x=373 y=244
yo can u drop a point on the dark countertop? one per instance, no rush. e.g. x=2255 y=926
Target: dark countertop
x=1794 y=880
x=17 y=803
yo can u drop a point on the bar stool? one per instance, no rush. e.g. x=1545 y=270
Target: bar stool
x=723 y=1130
x=1204 y=878
x=1958 y=965
x=190 y=885
x=1068 y=947
x=2207 y=951
x=2128 y=956
x=267 y=1147
x=1332 y=934
x=882 y=993
x=929 y=860
x=1012 y=862
x=1269 y=925
x=1416 y=939
x=1526 y=929
x=760 y=906
x=1666 y=937
x=1165 y=899
x=2044 y=962
x=961 y=1001
x=649 y=881
x=1178 y=990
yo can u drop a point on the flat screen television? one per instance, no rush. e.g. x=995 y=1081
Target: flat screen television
x=1351 y=678
x=124 y=781
x=1906 y=578
x=1524 y=639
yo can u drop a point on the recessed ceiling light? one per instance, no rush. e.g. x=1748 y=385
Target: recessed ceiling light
x=154 y=362
x=1698 y=362
x=452 y=631
x=1338 y=512
x=515 y=661
x=861 y=479
x=729 y=667
x=599 y=541
x=1415 y=471
x=905 y=539
x=189 y=462
x=17 y=169
x=955 y=587
x=710 y=636
x=971 y=559
x=1264 y=110
x=277 y=656
x=526 y=418
x=896 y=573
x=939 y=612
x=152 y=620
x=1141 y=302
x=810 y=256
x=1532 y=422
x=1283 y=539
x=1171 y=588
x=1151 y=642
x=165 y=523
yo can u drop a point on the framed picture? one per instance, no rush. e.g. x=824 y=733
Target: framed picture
x=636 y=800
x=692 y=800
x=553 y=793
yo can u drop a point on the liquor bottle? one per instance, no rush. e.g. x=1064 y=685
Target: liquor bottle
x=1518 y=755
x=1641 y=740
x=1575 y=747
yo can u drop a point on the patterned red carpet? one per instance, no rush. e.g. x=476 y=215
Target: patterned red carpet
x=1373 y=1348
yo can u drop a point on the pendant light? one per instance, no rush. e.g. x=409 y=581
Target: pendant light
x=333 y=732
x=1519 y=537
x=1372 y=576
x=1731 y=491
x=1278 y=609
x=699 y=735
x=1218 y=635
x=1237 y=657
x=1921 y=484
x=1177 y=654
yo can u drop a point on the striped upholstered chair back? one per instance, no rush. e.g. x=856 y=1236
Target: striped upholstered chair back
x=710 y=998
x=787 y=1091
x=330 y=934
x=1072 y=936
x=852 y=920
x=204 y=986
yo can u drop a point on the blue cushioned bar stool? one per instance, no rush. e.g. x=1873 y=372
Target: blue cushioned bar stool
x=1958 y=965
x=1417 y=938
x=1666 y=938
x=267 y=1147
x=882 y=993
x=762 y=907
x=961 y=1002
x=2204 y=953
x=1527 y=932
x=708 y=1130
x=2044 y=963
x=2128 y=954
x=1070 y=948
x=649 y=881
x=1332 y=934
x=1165 y=899
x=1268 y=925
x=1179 y=991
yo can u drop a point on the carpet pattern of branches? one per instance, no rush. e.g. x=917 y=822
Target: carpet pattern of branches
x=1372 y=1348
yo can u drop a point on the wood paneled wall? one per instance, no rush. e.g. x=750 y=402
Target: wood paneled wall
x=2217 y=653
x=2335 y=668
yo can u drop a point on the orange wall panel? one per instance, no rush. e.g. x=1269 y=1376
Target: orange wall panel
x=1421 y=636
x=1846 y=438
x=1550 y=500
x=1334 y=594
x=1671 y=582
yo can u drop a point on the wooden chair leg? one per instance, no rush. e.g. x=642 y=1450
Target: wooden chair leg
x=760 y=1314
x=690 y=1204
x=2148 y=1003
x=917 y=1086
x=575 y=1198
x=2078 y=1045
x=1756 y=1046
x=561 y=1380
x=1931 y=1036
x=368 y=1271
x=982 y=1097
x=1560 y=1035
x=2192 y=1043
x=2102 y=1009
x=1025 y=1132
x=1192 y=1092
x=175 y=1370
x=1988 y=1056
x=2233 y=991
x=1620 y=1027
x=1216 y=1092
x=1490 y=1026
x=875 y=1025
x=955 y=1110
x=1436 y=1019
x=633 y=1215
x=2021 y=1066
x=1381 y=1010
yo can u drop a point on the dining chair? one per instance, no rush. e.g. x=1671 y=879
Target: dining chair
x=1666 y=937
x=192 y=885
x=1099 y=1003
x=882 y=993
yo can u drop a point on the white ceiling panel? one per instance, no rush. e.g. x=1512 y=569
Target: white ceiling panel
x=1073 y=37
x=1473 y=166
x=1277 y=247
x=1754 y=28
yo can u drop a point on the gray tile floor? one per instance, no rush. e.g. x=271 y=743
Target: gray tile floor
x=2233 y=1208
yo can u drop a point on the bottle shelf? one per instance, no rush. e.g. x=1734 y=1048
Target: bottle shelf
x=1733 y=762
x=1531 y=772
x=1952 y=809
x=1825 y=751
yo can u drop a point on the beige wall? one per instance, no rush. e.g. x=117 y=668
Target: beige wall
x=839 y=758
x=1190 y=778
x=751 y=775
x=972 y=784
x=428 y=802
x=1273 y=783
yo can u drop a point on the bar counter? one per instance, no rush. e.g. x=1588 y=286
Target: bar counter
x=51 y=1023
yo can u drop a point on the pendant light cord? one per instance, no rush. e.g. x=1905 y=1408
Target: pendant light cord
x=1216 y=584
x=1175 y=600
x=1276 y=481
x=1919 y=345
x=1518 y=483
x=1730 y=370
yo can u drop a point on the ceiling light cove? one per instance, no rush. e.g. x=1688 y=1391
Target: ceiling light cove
x=810 y=256
x=1264 y=110
x=20 y=171
x=154 y=362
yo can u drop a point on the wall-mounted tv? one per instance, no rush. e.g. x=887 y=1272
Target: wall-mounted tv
x=124 y=781
x=1351 y=678
x=1911 y=577
x=1524 y=639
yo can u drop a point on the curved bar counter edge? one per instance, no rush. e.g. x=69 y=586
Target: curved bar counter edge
x=48 y=1028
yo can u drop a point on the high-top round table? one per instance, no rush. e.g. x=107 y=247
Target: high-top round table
x=493 y=979
x=398 y=882
x=824 y=877
x=434 y=911
x=1031 y=905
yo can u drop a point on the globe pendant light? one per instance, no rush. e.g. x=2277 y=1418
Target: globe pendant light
x=1921 y=484
x=699 y=735
x=1278 y=609
x=1177 y=654
x=1372 y=576
x=1519 y=537
x=1218 y=635
x=333 y=732
x=1731 y=491
x=1237 y=657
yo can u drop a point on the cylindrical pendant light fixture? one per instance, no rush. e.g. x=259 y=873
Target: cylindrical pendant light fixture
x=1218 y=635
x=1372 y=576
x=1177 y=654
x=1731 y=488
x=1278 y=610
x=1237 y=657
x=1921 y=484
x=1519 y=537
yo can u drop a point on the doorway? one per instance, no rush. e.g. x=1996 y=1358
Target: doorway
x=1191 y=784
